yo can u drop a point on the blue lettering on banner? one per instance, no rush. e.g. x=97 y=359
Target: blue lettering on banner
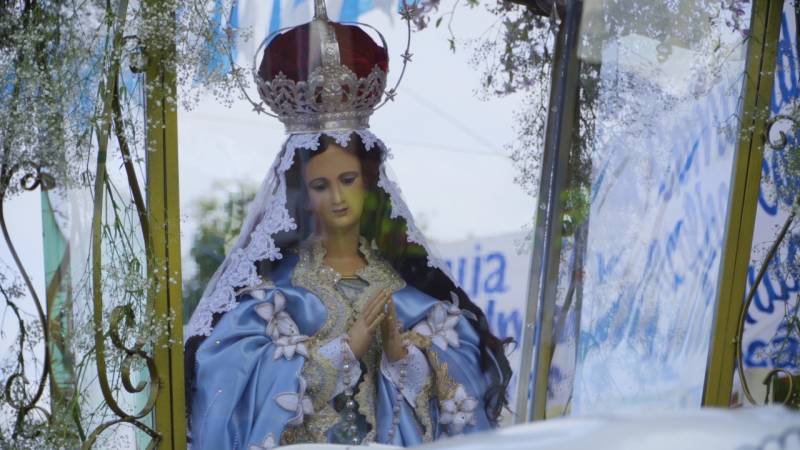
x=647 y=300
x=693 y=241
x=484 y=276
x=498 y=276
x=493 y=282
x=499 y=325
x=605 y=268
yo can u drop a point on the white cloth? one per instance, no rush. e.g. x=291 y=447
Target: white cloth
x=337 y=351
x=417 y=373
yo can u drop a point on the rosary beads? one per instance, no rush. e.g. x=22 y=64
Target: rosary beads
x=398 y=399
x=348 y=415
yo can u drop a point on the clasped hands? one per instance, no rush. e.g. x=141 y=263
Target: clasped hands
x=379 y=311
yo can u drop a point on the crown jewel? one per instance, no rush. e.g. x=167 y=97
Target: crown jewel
x=322 y=75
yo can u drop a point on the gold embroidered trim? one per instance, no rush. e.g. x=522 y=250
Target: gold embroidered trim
x=289 y=436
x=312 y=430
x=312 y=274
x=307 y=275
x=421 y=342
x=320 y=375
x=318 y=424
x=445 y=385
x=369 y=387
x=423 y=410
x=422 y=401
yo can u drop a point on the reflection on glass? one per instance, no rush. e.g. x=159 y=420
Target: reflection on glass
x=445 y=152
x=668 y=84
x=110 y=283
x=330 y=319
x=771 y=337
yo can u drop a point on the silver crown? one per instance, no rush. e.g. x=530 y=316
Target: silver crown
x=333 y=97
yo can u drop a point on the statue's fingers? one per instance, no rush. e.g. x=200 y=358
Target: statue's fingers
x=369 y=308
x=373 y=303
x=374 y=324
x=377 y=306
x=378 y=311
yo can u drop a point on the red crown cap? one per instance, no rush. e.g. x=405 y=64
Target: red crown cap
x=296 y=53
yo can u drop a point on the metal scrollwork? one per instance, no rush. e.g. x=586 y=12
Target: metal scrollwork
x=780 y=441
x=37 y=178
x=783 y=137
x=47 y=397
x=120 y=316
x=748 y=301
x=777 y=137
x=774 y=373
x=27 y=403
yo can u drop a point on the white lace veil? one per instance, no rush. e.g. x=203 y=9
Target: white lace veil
x=269 y=216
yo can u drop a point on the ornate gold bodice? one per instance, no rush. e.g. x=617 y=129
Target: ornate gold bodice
x=312 y=274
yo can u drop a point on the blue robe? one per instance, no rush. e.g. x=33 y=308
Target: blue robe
x=239 y=381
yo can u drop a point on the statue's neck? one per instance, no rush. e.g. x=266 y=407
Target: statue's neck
x=341 y=250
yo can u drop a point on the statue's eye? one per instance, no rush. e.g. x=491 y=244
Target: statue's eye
x=318 y=185
x=348 y=178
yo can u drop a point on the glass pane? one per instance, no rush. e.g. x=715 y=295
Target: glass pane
x=669 y=82
x=771 y=336
x=80 y=364
x=78 y=329
x=448 y=158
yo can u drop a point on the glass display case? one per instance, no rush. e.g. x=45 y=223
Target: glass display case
x=576 y=208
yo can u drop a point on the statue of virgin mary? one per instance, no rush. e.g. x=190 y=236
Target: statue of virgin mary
x=331 y=321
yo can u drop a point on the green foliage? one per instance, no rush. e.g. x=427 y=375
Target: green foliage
x=576 y=209
x=219 y=218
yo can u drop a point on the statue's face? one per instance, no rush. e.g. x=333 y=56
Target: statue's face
x=335 y=188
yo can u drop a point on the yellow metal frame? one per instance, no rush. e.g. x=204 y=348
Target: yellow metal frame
x=745 y=185
x=164 y=222
x=537 y=340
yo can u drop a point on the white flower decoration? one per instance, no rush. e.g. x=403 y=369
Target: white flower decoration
x=453 y=309
x=281 y=328
x=458 y=411
x=289 y=345
x=440 y=327
x=268 y=444
x=259 y=291
x=299 y=403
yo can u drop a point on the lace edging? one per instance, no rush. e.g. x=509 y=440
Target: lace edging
x=238 y=270
x=400 y=209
